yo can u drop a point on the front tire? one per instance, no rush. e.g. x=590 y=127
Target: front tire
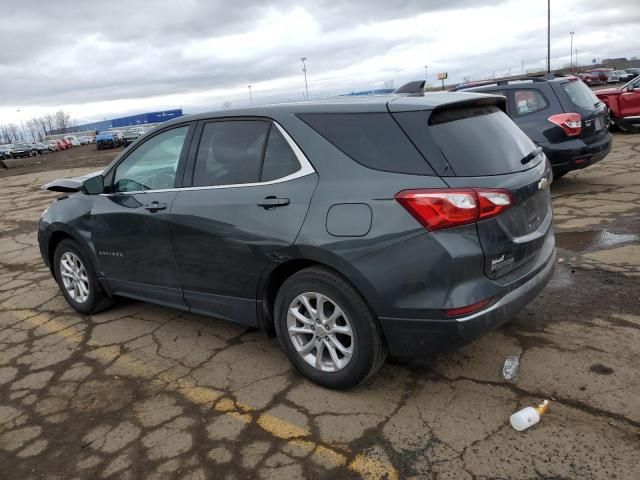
x=327 y=330
x=77 y=279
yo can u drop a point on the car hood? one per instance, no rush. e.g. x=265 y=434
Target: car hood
x=607 y=91
x=73 y=184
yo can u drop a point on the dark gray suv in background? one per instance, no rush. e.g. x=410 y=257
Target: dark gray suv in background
x=352 y=228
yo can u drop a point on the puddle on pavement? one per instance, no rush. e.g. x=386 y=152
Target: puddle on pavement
x=592 y=239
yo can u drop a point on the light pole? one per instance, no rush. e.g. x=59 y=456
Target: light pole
x=575 y=56
x=426 y=76
x=250 y=96
x=571 y=33
x=548 y=36
x=304 y=69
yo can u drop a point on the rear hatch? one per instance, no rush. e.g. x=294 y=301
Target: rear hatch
x=474 y=144
x=576 y=96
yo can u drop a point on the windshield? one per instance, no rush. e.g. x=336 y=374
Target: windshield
x=580 y=95
x=20 y=145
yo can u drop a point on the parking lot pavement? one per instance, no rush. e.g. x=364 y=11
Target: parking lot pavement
x=142 y=391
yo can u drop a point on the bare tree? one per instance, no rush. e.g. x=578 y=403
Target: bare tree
x=49 y=120
x=5 y=134
x=14 y=132
x=62 y=121
x=34 y=129
x=42 y=125
x=226 y=105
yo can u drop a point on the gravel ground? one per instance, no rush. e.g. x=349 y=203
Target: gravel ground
x=142 y=391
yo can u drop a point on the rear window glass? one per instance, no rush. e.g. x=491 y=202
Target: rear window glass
x=371 y=139
x=580 y=95
x=479 y=141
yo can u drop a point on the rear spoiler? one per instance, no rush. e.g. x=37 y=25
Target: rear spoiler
x=68 y=185
x=439 y=101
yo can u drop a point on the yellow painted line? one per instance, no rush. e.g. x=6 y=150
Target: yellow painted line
x=372 y=468
x=368 y=467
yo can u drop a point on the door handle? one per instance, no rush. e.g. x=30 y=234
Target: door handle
x=272 y=202
x=153 y=207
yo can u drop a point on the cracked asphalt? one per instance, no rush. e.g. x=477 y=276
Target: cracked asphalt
x=142 y=391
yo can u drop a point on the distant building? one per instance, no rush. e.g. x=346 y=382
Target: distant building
x=121 y=122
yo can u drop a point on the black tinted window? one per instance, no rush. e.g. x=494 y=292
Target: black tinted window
x=230 y=153
x=279 y=159
x=480 y=141
x=371 y=139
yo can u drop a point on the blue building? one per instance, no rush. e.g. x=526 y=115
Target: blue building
x=141 y=119
x=131 y=120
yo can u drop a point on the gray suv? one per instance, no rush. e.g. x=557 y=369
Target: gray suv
x=351 y=228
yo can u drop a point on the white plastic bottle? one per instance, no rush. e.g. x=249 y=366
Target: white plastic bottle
x=525 y=418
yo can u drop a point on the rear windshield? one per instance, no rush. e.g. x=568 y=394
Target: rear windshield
x=479 y=141
x=580 y=95
x=372 y=139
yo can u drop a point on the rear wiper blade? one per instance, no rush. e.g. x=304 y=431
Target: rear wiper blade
x=531 y=156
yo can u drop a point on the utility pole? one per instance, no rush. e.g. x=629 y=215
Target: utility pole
x=548 y=36
x=576 y=57
x=426 y=76
x=250 y=96
x=571 y=67
x=304 y=69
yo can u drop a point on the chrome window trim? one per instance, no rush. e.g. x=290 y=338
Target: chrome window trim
x=305 y=169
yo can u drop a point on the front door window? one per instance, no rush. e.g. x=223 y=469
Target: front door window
x=152 y=166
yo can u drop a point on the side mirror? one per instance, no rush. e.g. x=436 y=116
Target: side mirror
x=93 y=185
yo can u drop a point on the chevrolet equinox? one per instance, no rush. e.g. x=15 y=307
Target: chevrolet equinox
x=352 y=228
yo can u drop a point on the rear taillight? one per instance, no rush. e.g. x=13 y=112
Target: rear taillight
x=571 y=123
x=442 y=208
x=456 y=312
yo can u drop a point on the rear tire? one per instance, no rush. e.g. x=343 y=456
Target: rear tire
x=345 y=335
x=77 y=279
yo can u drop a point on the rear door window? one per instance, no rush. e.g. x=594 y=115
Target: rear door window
x=528 y=101
x=372 y=139
x=230 y=153
x=478 y=141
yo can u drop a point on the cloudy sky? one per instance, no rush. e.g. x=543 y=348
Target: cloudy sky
x=133 y=56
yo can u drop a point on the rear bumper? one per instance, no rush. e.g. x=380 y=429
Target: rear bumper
x=410 y=338
x=576 y=154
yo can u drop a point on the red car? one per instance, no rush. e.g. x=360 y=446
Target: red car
x=623 y=103
x=62 y=145
x=598 y=76
x=590 y=78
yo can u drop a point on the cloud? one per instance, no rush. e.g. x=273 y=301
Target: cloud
x=120 y=56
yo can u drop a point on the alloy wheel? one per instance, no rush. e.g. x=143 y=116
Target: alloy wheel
x=320 y=332
x=74 y=277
